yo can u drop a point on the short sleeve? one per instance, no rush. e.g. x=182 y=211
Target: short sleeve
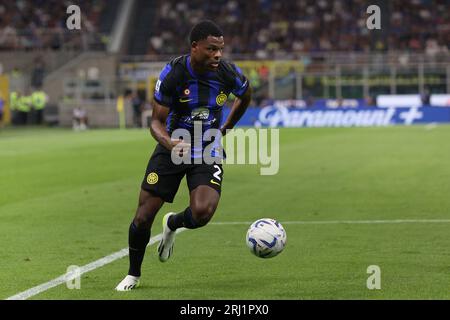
x=240 y=84
x=163 y=88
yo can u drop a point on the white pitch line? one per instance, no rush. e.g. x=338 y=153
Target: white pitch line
x=124 y=252
x=84 y=269
x=346 y=221
x=431 y=126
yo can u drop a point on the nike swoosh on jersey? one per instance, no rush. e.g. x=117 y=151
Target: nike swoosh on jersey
x=185 y=100
x=214 y=182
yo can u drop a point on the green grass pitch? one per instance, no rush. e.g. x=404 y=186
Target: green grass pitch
x=67 y=198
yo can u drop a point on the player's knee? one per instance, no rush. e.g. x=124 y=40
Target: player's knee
x=147 y=209
x=203 y=213
x=144 y=218
x=142 y=222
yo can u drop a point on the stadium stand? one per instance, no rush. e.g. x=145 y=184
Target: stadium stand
x=41 y=24
x=282 y=28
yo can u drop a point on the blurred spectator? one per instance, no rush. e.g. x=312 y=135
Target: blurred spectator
x=137 y=104
x=38 y=101
x=425 y=97
x=80 y=119
x=370 y=101
x=38 y=73
x=23 y=108
x=146 y=114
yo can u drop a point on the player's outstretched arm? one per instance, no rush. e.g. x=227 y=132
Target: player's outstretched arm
x=237 y=111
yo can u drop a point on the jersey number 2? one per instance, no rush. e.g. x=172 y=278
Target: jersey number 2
x=217 y=173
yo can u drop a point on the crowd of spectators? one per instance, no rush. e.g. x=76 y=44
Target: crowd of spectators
x=267 y=28
x=41 y=24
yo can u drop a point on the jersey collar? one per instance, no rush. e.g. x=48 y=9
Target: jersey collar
x=193 y=73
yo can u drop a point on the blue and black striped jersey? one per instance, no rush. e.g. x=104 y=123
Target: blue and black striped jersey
x=195 y=97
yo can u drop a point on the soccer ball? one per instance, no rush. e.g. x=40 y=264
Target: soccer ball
x=266 y=238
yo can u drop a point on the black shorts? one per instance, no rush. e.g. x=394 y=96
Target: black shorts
x=163 y=177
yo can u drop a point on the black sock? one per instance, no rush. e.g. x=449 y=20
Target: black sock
x=182 y=220
x=137 y=242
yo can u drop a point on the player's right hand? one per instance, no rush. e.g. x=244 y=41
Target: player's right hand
x=180 y=147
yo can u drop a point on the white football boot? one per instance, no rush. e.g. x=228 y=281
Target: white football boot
x=165 y=247
x=128 y=283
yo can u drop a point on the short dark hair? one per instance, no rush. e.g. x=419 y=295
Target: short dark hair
x=204 y=29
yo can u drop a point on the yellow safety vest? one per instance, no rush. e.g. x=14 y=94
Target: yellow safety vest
x=38 y=99
x=13 y=98
x=24 y=103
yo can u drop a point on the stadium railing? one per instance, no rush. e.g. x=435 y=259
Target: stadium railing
x=324 y=75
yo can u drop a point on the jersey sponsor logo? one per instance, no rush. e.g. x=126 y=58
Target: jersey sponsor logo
x=200 y=114
x=221 y=99
x=188 y=120
x=152 y=178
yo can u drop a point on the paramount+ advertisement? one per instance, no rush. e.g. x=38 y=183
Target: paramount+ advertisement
x=355 y=113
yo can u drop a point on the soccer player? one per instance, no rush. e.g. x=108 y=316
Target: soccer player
x=191 y=89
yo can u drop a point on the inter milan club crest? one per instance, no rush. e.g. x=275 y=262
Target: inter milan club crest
x=221 y=99
x=152 y=178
